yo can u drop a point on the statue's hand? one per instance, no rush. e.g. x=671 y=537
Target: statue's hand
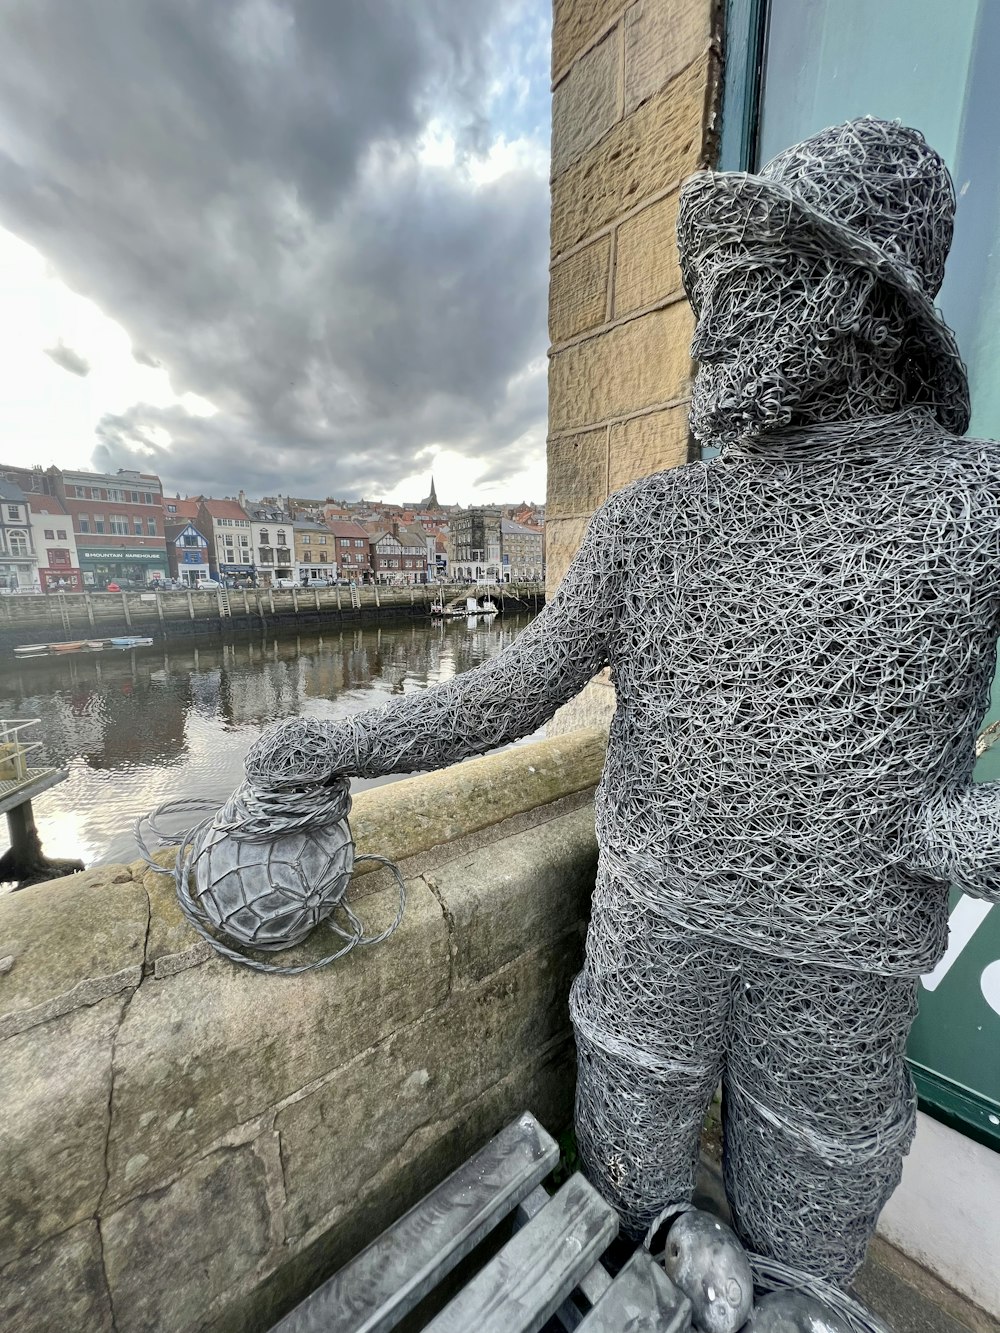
x=302 y=752
x=960 y=840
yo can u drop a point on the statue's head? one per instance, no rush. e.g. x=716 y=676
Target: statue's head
x=813 y=285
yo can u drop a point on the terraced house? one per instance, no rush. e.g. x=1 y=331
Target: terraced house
x=399 y=556
x=315 y=558
x=18 y=562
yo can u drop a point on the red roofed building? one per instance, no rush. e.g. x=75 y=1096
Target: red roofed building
x=353 y=556
x=226 y=527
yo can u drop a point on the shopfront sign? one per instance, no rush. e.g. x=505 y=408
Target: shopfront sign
x=126 y=556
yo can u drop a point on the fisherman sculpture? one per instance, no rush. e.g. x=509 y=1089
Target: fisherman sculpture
x=801 y=635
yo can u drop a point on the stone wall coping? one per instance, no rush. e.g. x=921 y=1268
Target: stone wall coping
x=78 y=940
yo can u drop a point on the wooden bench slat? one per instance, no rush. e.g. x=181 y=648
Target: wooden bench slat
x=388 y=1278
x=536 y=1270
x=642 y=1299
x=593 y=1284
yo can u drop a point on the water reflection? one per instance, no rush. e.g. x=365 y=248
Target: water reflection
x=141 y=727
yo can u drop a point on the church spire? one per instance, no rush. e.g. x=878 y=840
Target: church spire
x=431 y=502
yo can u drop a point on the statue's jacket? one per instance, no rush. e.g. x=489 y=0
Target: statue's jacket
x=802 y=637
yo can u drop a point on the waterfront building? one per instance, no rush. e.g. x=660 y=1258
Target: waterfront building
x=474 y=544
x=55 y=544
x=226 y=526
x=187 y=552
x=522 y=552
x=270 y=540
x=353 y=551
x=18 y=562
x=118 y=524
x=315 y=551
x=400 y=555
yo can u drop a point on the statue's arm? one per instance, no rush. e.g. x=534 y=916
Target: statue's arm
x=960 y=840
x=507 y=697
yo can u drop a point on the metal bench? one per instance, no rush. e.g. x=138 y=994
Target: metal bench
x=550 y=1266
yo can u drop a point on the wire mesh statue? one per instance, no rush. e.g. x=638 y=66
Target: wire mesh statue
x=802 y=635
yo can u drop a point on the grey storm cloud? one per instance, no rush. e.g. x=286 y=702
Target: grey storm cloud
x=239 y=185
x=69 y=360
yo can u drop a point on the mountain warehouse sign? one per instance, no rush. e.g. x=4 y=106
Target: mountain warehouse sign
x=112 y=553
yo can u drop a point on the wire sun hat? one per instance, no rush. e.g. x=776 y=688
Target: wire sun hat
x=870 y=192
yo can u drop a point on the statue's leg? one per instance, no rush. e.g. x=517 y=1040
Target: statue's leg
x=818 y=1109
x=649 y=1010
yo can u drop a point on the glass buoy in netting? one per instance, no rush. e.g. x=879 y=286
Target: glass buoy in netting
x=270 y=895
x=267 y=868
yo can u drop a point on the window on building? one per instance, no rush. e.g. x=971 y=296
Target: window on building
x=358 y=541
x=50 y=535
x=17 y=542
x=137 y=526
x=83 y=521
x=190 y=539
x=281 y=538
x=148 y=498
x=58 y=557
x=70 y=492
x=265 y=539
x=171 y=509
x=244 y=539
x=307 y=557
x=61 y=534
x=306 y=539
x=322 y=558
x=322 y=540
x=150 y=527
x=98 y=523
x=119 y=525
x=13 y=513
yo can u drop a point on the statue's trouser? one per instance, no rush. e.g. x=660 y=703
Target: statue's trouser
x=818 y=1103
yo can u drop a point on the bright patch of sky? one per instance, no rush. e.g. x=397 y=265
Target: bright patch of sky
x=48 y=412
x=110 y=364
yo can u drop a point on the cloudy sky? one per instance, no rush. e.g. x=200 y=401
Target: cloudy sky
x=288 y=245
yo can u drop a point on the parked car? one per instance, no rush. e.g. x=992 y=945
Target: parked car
x=205 y=582
x=285 y=583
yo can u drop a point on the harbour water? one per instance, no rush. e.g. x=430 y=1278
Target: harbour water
x=140 y=727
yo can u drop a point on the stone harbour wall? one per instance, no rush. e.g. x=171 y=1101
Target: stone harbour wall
x=635 y=95
x=186 y=1144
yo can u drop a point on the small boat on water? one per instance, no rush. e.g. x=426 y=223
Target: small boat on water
x=472 y=607
x=81 y=646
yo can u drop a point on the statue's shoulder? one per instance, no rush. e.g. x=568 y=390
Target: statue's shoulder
x=973 y=455
x=637 y=502
x=976 y=463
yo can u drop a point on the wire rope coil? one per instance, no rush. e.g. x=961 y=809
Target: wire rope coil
x=263 y=870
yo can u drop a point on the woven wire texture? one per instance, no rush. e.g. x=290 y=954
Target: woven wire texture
x=802 y=636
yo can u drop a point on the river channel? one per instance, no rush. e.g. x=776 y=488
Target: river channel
x=148 y=725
